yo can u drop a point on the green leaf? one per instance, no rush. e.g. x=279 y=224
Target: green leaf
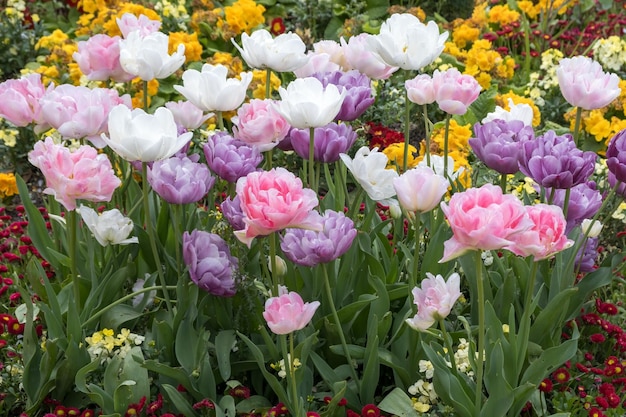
x=397 y=403
x=252 y=404
x=223 y=346
x=118 y=315
x=550 y=320
x=371 y=361
x=177 y=399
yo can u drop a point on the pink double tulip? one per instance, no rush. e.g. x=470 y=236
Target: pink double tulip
x=130 y=23
x=19 y=100
x=421 y=89
x=584 y=84
x=483 y=219
x=359 y=57
x=434 y=300
x=454 y=92
x=258 y=123
x=420 y=189
x=83 y=174
x=287 y=312
x=274 y=200
x=99 y=59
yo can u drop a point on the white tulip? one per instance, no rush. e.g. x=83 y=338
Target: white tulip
x=522 y=112
x=147 y=56
x=109 y=228
x=369 y=169
x=286 y=52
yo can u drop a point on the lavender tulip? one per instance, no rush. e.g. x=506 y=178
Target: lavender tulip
x=210 y=263
x=555 y=161
x=180 y=179
x=358 y=92
x=230 y=158
x=616 y=156
x=621 y=188
x=310 y=248
x=498 y=144
x=584 y=202
x=587 y=255
x=329 y=141
x=231 y=209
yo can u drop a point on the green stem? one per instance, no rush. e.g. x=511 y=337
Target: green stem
x=356 y=203
x=220 y=120
x=292 y=370
x=268 y=85
x=151 y=235
x=291 y=382
x=73 y=249
x=413 y=278
x=426 y=134
x=525 y=321
x=342 y=337
x=407 y=126
x=275 y=275
x=445 y=148
x=579 y=113
x=145 y=96
x=481 y=333
x=448 y=342
x=503 y=183
x=312 y=159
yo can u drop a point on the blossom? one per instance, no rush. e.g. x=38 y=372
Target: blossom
x=584 y=202
x=310 y=248
x=231 y=209
x=307 y=103
x=555 y=161
x=187 y=115
x=405 y=42
x=498 y=143
x=19 y=100
x=584 y=84
x=288 y=312
x=548 y=235
x=434 y=300
x=420 y=189
x=284 y=53
x=454 y=92
x=211 y=90
x=258 y=123
x=72 y=175
x=358 y=92
x=274 y=200
x=483 y=219
x=329 y=141
x=230 y=158
x=522 y=112
x=420 y=89
x=180 y=179
x=147 y=56
x=81 y=112
x=139 y=136
x=129 y=23
x=359 y=56
x=211 y=266
x=317 y=62
x=99 y=59
x=109 y=228
x=616 y=156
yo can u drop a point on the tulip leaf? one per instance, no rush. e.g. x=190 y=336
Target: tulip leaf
x=118 y=315
x=397 y=403
x=223 y=346
x=551 y=318
x=181 y=404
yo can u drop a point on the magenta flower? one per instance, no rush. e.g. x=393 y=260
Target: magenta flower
x=616 y=156
x=230 y=158
x=328 y=141
x=421 y=89
x=210 y=263
x=420 y=189
x=434 y=300
x=258 y=123
x=455 y=92
x=275 y=200
x=547 y=236
x=585 y=85
x=310 y=248
x=83 y=174
x=99 y=59
x=483 y=219
x=19 y=100
x=180 y=179
x=287 y=313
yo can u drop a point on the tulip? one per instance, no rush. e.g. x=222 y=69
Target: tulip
x=138 y=136
x=419 y=189
x=287 y=313
x=231 y=209
x=616 y=156
x=585 y=85
x=180 y=179
x=147 y=57
x=109 y=228
x=584 y=202
x=229 y=158
x=522 y=112
x=19 y=100
x=317 y=62
x=284 y=53
x=358 y=92
x=369 y=169
x=99 y=59
x=437 y=164
x=359 y=56
x=587 y=255
x=211 y=266
x=420 y=90
x=329 y=142
x=187 y=115
x=434 y=300
x=307 y=103
x=454 y=92
x=129 y=23
x=310 y=248
x=258 y=123
x=211 y=90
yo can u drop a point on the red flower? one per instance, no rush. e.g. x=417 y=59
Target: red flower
x=613 y=400
x=60 y=411
x=370 y=410
x=206 y=403
x=602 y=403
x=597 y=338
x=240 y=392
x=15 y=327
x=350 y=413
x=312 y=414
x=277 y=26
x=560 y=376
x=135 y=409
x=88 y=413
x=156 y=405
x=595 y=412
x=545 y=385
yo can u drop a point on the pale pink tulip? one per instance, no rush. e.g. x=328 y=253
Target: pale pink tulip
x=419 y=189
x=187 y=115
x=258 y=123
x=421 y=89
x=288 y=312
x=317 y=62
x=546 y=237
x=359 y=56
x=274 y=200
x=585 y=85
x=483 y=219
x=99 y=59
x=434 y=300
x=454 y=92
x=80 y=112
x=129 y=23
x=82 y=174
x=19 y=100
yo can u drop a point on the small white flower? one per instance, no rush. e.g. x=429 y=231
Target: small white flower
x=109 y=228
x=591 y=230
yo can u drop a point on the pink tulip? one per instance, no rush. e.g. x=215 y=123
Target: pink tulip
x=258 y=123
x=274 y=200
x=434 y=300
x=19 y=100
x=187 y=115
x=483 y=219
x=546 y=237
x=99 y=59
x=129 y=23
x=454 y=92
x=287 y=313
x=83 y=174
x=585 y=85
x=421 y=89
x=317 y=62
x=419 y=189
x=80 y=112
x=359 y=56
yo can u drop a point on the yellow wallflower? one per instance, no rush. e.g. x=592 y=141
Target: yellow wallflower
x=257 y=85
x=479 y=14
x=452 y=49
x=193 y=48
x=484 y=79
x=91 y=6
x=9 y=137
x=502 y=100
x=234 y=64
x=502 y=15
x=506 y=68
x=395 y=154
x=464 y=34
x=8 y=186
x=595 y=124
x=56 y=38
x=137 y=86
x=529 y=9
x=243 y=16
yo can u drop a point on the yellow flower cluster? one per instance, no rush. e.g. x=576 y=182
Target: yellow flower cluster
x=242 y=16
x=259 y=81
x=100 y=16
x=234 y=64
x=193 y=48
x=532 y=9
x=8 y=185
x=105 y=344
x=458 y=146
x=8 y=136
x=137 y=87
x=395 y=155
x=502 y=15
x=610 y=52
x=60 y=48
x=482 y=62
x=464 y=34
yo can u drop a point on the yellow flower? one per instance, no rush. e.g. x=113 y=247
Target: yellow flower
x=137 y=85
x=502 y=100
x=243 y=16
x=395 y=154
x=421 y=407
x=56 y=38
x=193 y=48
x=502 y=15
x=109 y=18
x=8 y=186
x=257 y=85
x=464 y=34
x=234 y=64
x=9 y=137
x=528 y=8
x=595 y=124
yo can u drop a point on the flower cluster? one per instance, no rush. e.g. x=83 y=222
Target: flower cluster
x=105 y=344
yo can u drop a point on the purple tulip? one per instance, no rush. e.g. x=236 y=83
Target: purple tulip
x=587 y=255
x=329 y=141
x=584 y=202
x=230 y=158
x=310 y=248
x=616 y=156
x=210 y=263
x=231 y=209
x=555 y=161
x=180 y=179
x=498 y=144
x=358 y=92
x=621 y=188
